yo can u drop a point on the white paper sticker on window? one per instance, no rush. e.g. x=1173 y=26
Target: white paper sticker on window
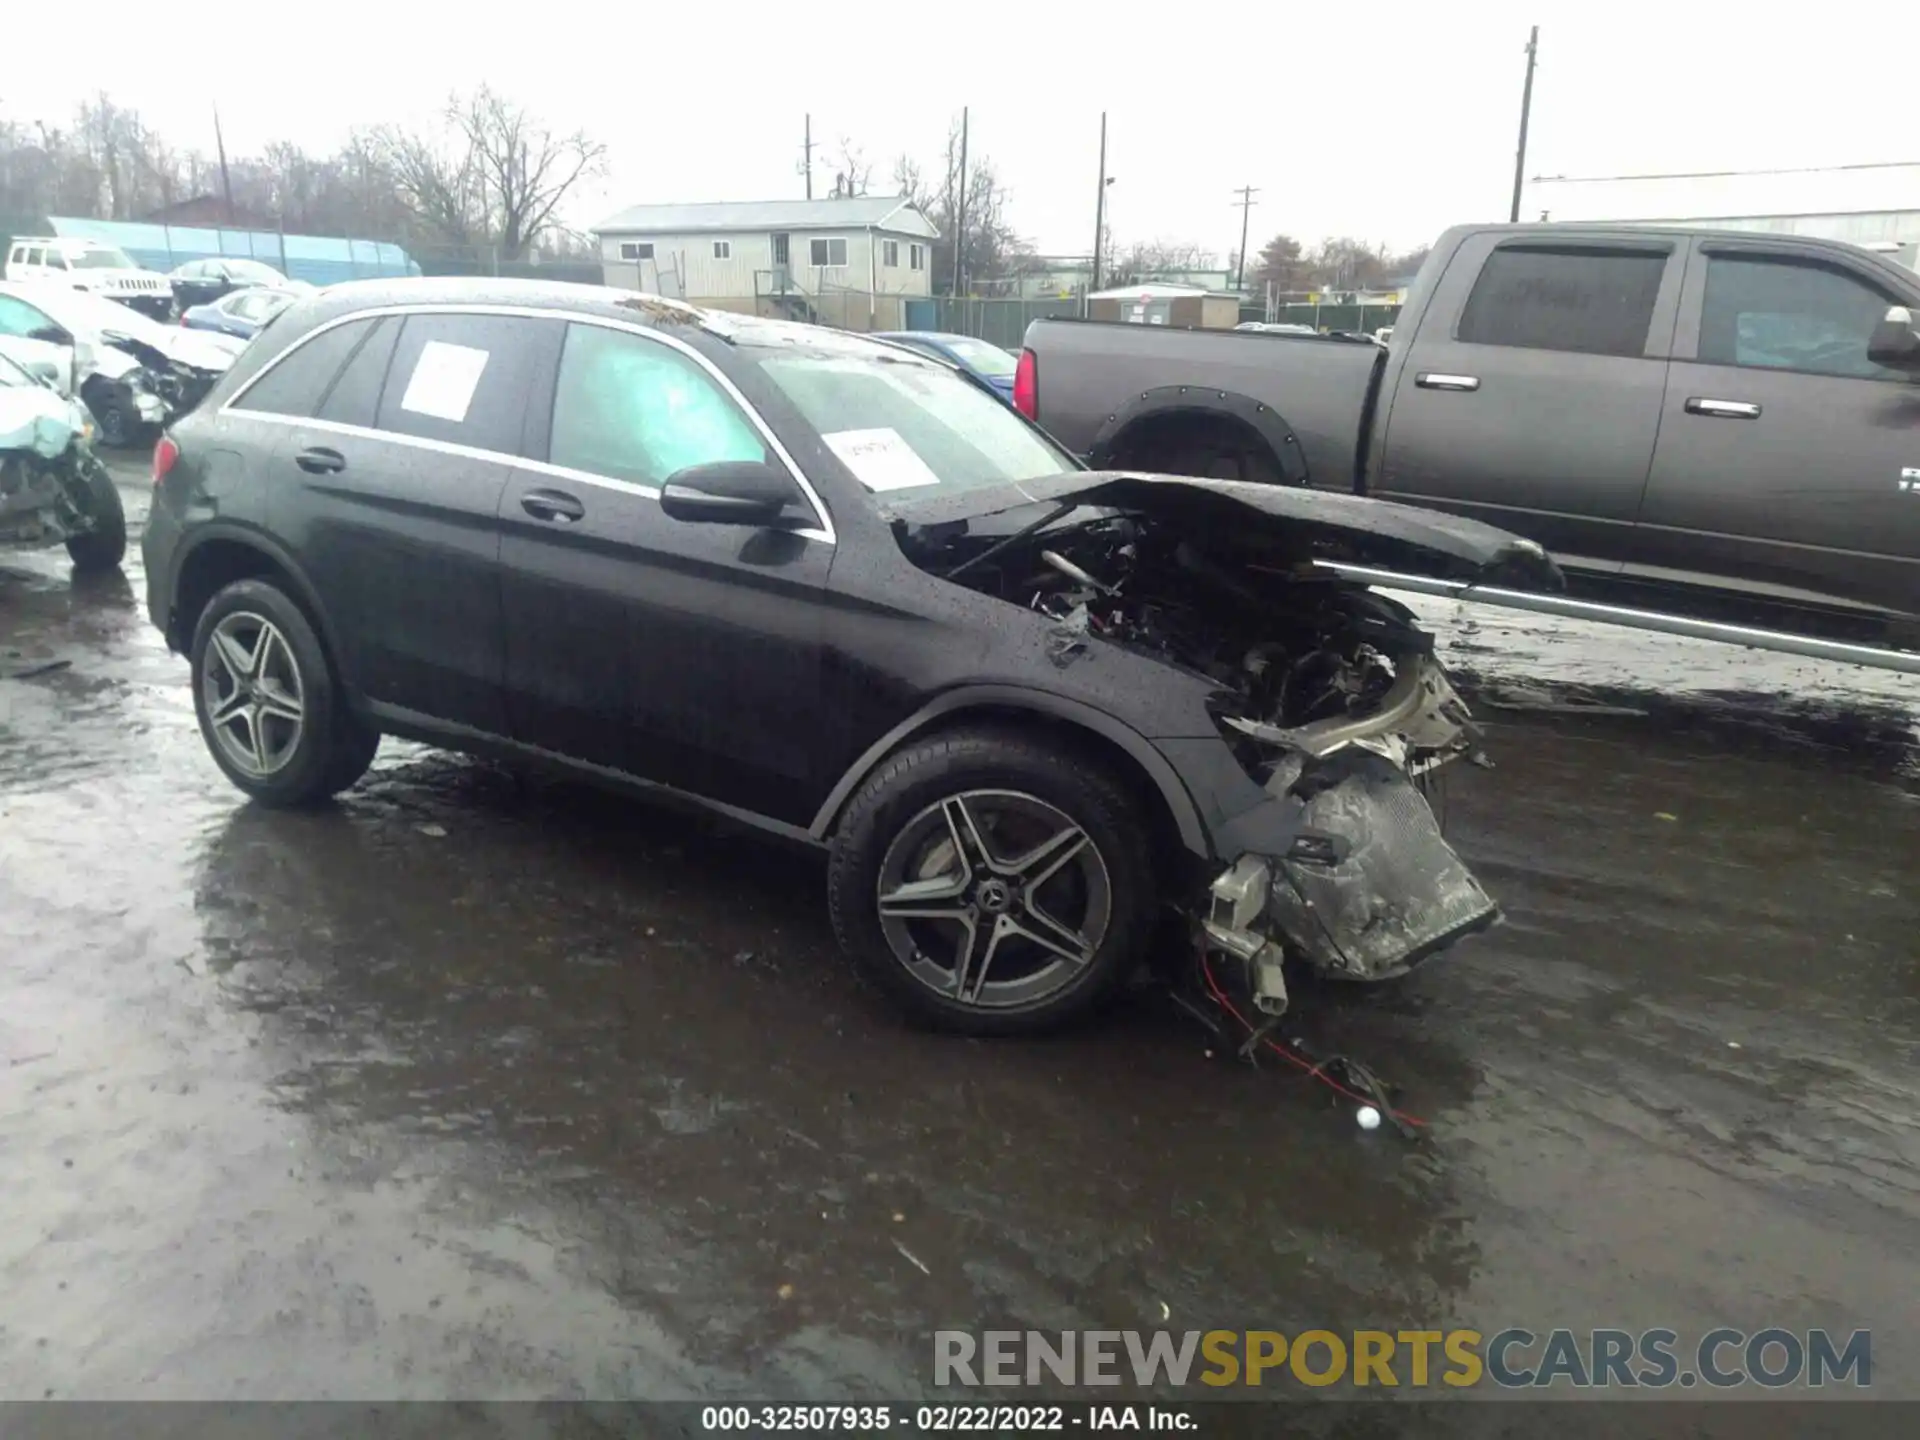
x=881 y=459
x=444 y=379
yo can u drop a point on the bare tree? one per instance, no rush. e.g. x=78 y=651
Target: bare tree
x=852 y=171
x=1344 y=263
x=1144 y=260
x=489 y=175
x=523 y=170
x=433 y=181
x=994 y=255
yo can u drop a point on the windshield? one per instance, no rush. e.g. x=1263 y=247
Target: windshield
x=86 y=314
x=901 y=424
x=254 y=273
x=100 y=257
x=982 y=358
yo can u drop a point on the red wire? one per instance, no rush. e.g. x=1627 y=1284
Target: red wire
x=1292 y=1059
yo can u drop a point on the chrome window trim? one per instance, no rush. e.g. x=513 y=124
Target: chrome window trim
x=824 y=532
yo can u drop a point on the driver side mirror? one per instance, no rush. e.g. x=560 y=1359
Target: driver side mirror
x=1895 y=343
x=730 y=492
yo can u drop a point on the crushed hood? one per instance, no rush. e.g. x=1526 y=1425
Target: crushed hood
x=196 y=349
x=38 y=420
x=1282 y=523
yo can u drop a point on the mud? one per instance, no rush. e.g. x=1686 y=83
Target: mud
x=477 y=1087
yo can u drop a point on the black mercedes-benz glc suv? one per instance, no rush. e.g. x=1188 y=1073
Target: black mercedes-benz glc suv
x=836 y=589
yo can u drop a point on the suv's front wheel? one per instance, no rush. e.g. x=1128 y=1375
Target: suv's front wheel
x=992 y=883
x=267 y=701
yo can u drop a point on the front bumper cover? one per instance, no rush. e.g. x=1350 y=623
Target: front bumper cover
x=1368 y=888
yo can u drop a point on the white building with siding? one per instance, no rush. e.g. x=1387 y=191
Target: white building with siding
x=1876 y=206
x=850 y=260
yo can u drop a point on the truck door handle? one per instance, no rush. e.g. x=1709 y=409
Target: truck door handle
x=552 y=505
x=1434 y=380
x=1723 y=409
x=319 y=460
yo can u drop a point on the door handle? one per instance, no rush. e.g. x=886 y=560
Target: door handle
x=1434 y=380
x=318 y=460
x=552 y=505
x=1723 y=409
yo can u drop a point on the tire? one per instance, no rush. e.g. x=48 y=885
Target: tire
x=353 y=755
x=119 y=427
x=306 y=746
x=1016 y=795
x=104 y=546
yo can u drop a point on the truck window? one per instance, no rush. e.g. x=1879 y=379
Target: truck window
x=1782 y=314
x=1589 y=301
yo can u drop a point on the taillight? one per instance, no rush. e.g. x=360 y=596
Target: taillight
x=1026 y=386
x=165 y=452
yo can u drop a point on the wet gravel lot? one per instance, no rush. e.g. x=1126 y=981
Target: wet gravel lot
x=476 y=1087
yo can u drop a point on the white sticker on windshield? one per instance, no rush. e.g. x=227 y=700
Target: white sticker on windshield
x=444 y=379
x=881 y=459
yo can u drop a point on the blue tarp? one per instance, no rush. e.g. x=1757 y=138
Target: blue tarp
x=317 y=259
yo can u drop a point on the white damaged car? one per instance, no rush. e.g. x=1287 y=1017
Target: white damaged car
x=53 y=488
x=133 y=375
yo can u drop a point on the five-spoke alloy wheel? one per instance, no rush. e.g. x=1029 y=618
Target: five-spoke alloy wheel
x=994 y=897
x=268 y=705
x=992 y=883
x=254 y=697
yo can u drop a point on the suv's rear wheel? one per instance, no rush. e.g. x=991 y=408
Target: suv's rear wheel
x=991 y=883
x=267 y=701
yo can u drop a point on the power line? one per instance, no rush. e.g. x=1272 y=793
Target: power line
x=1246 y=194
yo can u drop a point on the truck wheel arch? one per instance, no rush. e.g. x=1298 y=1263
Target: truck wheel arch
x=1174 y=416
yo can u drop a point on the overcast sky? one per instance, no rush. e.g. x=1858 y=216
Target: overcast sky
x=1389 y=127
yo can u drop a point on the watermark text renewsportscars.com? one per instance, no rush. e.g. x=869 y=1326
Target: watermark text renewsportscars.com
x=1772 y=1358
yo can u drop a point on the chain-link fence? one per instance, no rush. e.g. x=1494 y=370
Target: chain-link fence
x=487 y=260
x=1356 y=316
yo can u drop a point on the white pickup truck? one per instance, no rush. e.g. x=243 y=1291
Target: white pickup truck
x=93 y=266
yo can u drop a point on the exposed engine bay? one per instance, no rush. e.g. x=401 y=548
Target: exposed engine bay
x=1329 y=696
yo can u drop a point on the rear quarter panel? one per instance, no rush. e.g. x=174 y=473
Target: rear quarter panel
x=1088 y=370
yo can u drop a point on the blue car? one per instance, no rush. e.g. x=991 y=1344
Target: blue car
x=992 y=364
x=240 y=313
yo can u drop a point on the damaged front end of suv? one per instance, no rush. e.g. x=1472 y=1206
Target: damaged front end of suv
x=1324 y=847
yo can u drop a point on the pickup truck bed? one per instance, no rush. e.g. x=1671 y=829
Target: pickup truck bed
x=1689 y=420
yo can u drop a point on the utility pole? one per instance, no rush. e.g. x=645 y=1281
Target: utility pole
x=1099 y=208
x=226 y=179
x=960 y=231
x=1246 y=194
x=806 y=157
x=1526 y=109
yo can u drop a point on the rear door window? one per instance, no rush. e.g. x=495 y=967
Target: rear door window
x=354 y=397
x=295 y=385
x=1588 y=301
x=465 y=379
